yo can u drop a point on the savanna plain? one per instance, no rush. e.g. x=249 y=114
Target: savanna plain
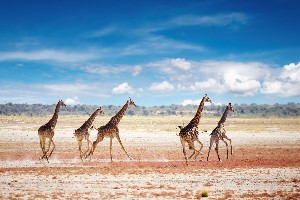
x=265 y=163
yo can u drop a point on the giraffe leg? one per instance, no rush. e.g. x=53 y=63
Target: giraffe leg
x=192 y=146
x=183 y=150
x=46 y=151
x=225 y=136
x=201 y=145
x=79 y=148
x=192 y=153
x=100 y=137
x=110 y=148
x=89 y=147
x=231 y=151
x=51 y=140
x=42 y=144
x=119 y=139
x=196 y=153
x=199 y=152
x=226 y=147
x=211 y=144
x=217 y=150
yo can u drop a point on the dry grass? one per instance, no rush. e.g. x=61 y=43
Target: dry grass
x=200 y=194
x=155 y=123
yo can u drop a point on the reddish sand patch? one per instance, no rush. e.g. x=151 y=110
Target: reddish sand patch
x=256 y=170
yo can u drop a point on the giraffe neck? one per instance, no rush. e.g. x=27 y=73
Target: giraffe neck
x=53 y=120
x=195 y=121
x=117 y=118
x=87 y=124
x=224 y=116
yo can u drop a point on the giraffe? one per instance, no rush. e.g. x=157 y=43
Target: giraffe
x=47 y=131
x=189 y=133
x=111 y=129
x=219 y=133
x=84 y=132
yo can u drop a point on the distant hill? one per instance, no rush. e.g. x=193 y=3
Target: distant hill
x=242 y=110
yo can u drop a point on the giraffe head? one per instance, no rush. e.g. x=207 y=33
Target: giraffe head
x=61 y=103
x=229 y=107
x=100 y=111
x=207 y=99
x=131 y=102
x=181 y=127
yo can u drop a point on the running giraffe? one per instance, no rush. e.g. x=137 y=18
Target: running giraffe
x=84 y=132
x=189 y=133
x=219 y=133
x=111 y=129
x=47 y=131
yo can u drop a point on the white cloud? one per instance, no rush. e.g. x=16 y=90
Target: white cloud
x=161 y=87
x=286 y=84
x=101 y=32
x=282 y=89
x=209 y=85
x=72 y=101
x=46 y=93
x=180 y=63
x=240 y=78
x=75 y=89
x=150 y=44
x=229 y=83
x=173 y=66
x=136 y=70
x=197 y=20
x=251 y=70
x=46 y=54
x=191 y=102
x=291 y=72
x=123 y=88
x=216 y=20
x=242 y=85
x=196 y=102
x=109 y=69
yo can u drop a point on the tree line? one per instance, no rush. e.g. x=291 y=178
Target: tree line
x=241 y=110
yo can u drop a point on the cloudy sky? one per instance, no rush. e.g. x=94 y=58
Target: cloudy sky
x=156 y=52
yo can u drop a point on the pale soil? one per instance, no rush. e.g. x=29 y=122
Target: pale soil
x=264 y=165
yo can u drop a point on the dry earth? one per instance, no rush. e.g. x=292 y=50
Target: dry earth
x=264 y=165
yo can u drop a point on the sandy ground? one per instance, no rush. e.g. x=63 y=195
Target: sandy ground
x=264 y=165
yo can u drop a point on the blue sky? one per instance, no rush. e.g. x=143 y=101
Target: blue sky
x=156 y=52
